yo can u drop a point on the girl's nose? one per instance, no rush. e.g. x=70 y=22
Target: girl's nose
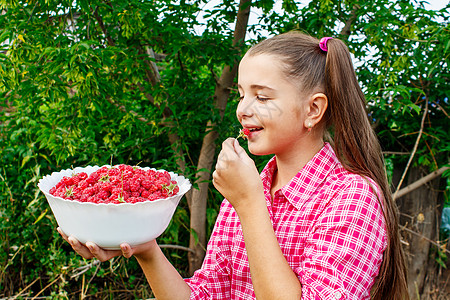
x=244 y=108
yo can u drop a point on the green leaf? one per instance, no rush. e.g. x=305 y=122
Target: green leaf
x=25 y=160
x=41 y=216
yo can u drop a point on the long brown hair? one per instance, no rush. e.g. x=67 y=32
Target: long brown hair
x=353 y=139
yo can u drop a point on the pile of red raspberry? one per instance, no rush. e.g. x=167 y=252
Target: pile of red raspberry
x=118 y=184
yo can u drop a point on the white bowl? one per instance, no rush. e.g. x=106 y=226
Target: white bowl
x=109 y=225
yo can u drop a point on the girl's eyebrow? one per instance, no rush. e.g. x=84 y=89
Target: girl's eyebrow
x=258 y=87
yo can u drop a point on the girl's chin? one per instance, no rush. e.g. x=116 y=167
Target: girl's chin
x=253 y=149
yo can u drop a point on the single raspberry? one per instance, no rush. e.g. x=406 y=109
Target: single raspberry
x=114 y=201
x=117 y=198
x=83 y=184
x=59 y=184
x=164 y=180
x=176 y=190
x=67 y=181
x=147 y=184
x=77 y=192
x=132 y=200
x=126 y=174
x=89 y=191
x=114 y=172
x=157 y=194
x=154 y=197
x=150 y=174
x=116 y=190
x=139 y=172
x=125 y=185
x=103 y=170
x=97 y=187
x=115 y=180
x=106 y=186
x=244 y=133
x=82 y=175
x=134 y=186
x=145 y=194
x=93 y=178
x=103 y=194
x=84 y=198
x=126 y=195
x=75 y=179
x=125 y=168
x=60 y=192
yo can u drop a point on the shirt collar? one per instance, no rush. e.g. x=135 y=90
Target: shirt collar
x=307 y=180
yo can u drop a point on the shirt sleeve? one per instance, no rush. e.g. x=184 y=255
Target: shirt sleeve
x=344 y=251
x=212 y=280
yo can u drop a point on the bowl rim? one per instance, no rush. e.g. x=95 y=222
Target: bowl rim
x=184 y=187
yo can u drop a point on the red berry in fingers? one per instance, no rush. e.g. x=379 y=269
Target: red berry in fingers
x=244 y=133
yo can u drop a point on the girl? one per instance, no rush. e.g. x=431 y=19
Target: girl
x=319 y=221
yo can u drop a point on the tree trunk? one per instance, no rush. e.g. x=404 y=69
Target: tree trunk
x=419 y=214
x=207 y=154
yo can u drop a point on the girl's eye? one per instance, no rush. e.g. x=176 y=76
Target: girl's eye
x=262 y=99
x=240 y=98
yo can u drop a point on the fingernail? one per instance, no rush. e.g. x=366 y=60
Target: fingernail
x=71 y=242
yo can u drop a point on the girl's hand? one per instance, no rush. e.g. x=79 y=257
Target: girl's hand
x=91 y=250
x=236 y=176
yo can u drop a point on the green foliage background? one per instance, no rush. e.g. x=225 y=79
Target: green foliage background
x=75 y=90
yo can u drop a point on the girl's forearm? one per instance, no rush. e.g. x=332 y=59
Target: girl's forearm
x=164 y=279
x=272 y=276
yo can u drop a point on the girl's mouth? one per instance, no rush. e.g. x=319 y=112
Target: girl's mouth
x=255 y=129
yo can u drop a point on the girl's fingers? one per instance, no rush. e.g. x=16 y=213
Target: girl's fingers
x=64 y=236
x=90 y=250
x=239 y=150
x=101 y=254
x=76 y=245
x=127 y=251
x=79 y=248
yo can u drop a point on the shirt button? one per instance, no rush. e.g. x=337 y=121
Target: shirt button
x=337 y=295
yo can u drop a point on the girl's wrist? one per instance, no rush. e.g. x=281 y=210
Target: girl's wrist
x=147 y=251
x=252 y=208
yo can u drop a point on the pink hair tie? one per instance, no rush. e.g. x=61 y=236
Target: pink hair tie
x=323 y=43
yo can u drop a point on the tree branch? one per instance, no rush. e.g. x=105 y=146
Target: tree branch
x=102 y=27
x=177 y=247
x=348 y=24
x=123 y=109
x=414 y=149
x=420 y=182
x=396 y=153
x=424 y=237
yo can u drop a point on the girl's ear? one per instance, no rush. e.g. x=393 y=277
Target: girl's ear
x=317 y=105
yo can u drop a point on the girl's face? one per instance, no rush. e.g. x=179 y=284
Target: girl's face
x=271 y=106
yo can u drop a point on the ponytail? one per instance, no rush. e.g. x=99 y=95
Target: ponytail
x=358 y=149
x=329 y=66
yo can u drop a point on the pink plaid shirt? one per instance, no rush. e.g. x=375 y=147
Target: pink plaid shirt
x=329 y=225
